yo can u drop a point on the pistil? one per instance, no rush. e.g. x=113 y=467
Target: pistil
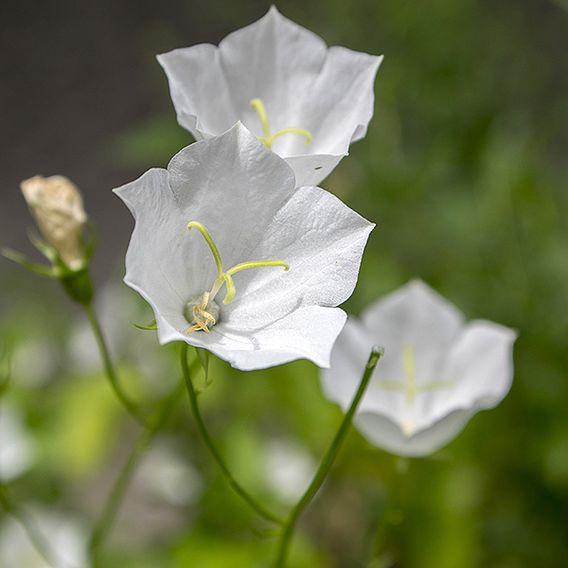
x=410 y=388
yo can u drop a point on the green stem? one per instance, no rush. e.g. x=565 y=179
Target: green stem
x=327 y=461
x=122 y=482
x=109 y=367
x=239 y=490
x=37 y=539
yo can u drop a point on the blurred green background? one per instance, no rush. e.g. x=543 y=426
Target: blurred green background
x=464 y=169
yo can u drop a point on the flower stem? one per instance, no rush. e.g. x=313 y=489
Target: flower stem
x=327 y=461
x=237 y=488
x=122 y=482
x=109 y=367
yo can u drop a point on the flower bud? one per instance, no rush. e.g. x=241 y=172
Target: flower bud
x=57 y=207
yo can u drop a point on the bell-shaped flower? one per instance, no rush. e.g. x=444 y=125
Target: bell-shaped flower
x=303 y=100
x=257 y=278
x=436 y=373
x=57 y=207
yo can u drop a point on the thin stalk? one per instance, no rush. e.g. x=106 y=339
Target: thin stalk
x=122 y=482
x=109 y=367
x=37 y=539
x=326 y=462
x=235 y=485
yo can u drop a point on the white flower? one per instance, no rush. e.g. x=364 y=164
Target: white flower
x=306 y=101
x=57 y=207
x=241 y=198
x=289 y=469
x=437 y=371
x=165 y=476
x=16 y=448
x=65 y=542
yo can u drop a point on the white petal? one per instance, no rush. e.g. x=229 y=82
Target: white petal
x=231 y=184
x=479 y=366
x=157 y=257
x=322 y=240
x=199 y=90
x=311 y=169
x=338 y=104
x=415 y=317
x=306 y=333
x=386 y=434
x=244 y=194
x=348 y=360
x=300 y=81
x=476 y=367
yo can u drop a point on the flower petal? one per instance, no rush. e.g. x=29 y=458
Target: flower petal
x=199 y=90
x=348 y=360
x=302 y=83
x=155 y=265
x=479 y=368
x=383 y=432
x=414 y=318
x=244 y=194
x=306 y=333
x=322 y=240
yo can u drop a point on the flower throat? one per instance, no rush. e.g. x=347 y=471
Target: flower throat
x=202 y=312
x=267 y=137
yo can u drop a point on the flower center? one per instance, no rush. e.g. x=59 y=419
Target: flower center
x=201 y=311
x=410 y=388
x=267 y=137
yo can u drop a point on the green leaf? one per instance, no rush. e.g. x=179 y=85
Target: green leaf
x=203 y=356
x=152 y=326
x=44 y=248
x=23 y=261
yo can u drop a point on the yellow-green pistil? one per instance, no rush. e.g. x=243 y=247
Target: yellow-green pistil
x=267 y=137
x=202 y=312
x=410 y=388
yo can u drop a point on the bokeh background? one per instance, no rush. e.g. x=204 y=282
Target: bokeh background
x=465 y=170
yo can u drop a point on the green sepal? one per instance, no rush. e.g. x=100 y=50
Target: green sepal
x=90 y=242
x=48 y=271
x=45 y=248
x=78 y=285
x=152 y=326
x=203 y=356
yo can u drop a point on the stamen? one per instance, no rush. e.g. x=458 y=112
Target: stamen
x=301 y=131
x=244 y=266
x=202 y=312
x=267 y=138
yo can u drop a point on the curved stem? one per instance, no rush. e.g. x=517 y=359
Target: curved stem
x=118 y=491
x=109 y=367
x=327 y=460
x=237 y=488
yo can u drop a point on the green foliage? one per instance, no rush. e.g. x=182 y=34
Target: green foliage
x=464 y=171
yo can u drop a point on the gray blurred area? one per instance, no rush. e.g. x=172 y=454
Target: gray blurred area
x=73 y=77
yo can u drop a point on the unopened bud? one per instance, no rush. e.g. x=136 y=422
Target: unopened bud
x=57 y=207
